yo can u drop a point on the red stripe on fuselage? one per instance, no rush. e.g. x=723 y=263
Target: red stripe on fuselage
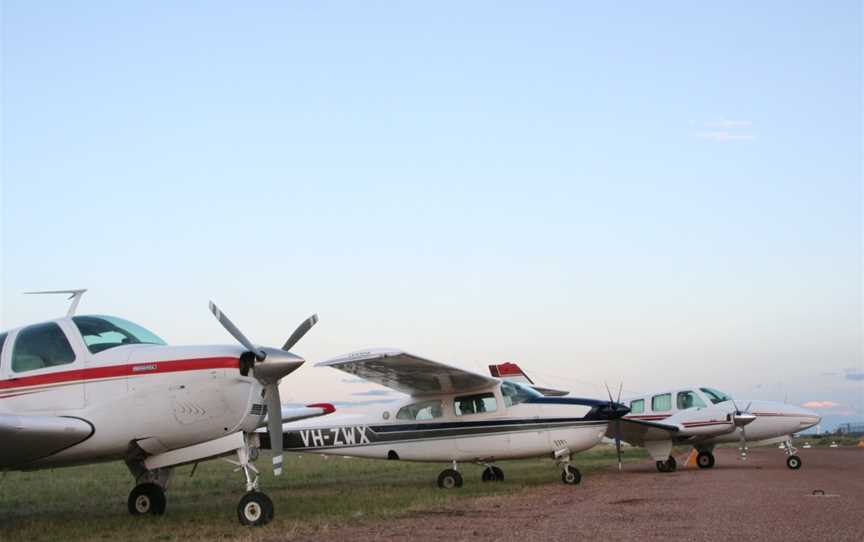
x=110 y=371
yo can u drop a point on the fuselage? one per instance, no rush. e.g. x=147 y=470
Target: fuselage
x=153 y=396
x=485 y=425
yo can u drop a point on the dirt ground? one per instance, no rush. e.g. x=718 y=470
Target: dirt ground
x=760 y=499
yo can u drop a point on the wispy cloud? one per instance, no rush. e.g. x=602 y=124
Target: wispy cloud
x=727 y=130
x=854 y=374
x=820 y=404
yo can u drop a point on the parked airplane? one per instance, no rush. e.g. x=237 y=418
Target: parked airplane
x=703 y=418
x=453 y=415
x=85 y=389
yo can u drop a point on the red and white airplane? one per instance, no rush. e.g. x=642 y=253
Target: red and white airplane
x=700 y=417
x=85 y=389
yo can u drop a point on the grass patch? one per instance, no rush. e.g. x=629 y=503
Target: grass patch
x=314 y=495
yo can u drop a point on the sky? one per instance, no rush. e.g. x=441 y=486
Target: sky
x=657 y=196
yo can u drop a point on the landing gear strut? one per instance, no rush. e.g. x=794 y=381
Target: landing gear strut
x=670 y=465
x=705 y=460
x=255 y=508
x=792 y=459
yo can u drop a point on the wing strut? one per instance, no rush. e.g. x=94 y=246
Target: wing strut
x=75 y=297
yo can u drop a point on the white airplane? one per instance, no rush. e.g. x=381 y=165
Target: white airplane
x=705 y=417
x=454 y=415
x=85 y=389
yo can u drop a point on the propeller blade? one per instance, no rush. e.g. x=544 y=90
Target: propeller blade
x=608 y=392
x=620 y=389
x=618 y=444
x=301 y=330
x=274 y=425
x=236 y=333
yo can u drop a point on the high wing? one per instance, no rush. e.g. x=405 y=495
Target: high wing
x=636 y=432
x=30 y=438
x=408 y=373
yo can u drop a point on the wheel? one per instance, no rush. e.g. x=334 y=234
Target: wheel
x=571 y=475
x=662 y=466
x=705 y=460
x=146 y=499
x=793 y=462
x=449 y=478
x=255 y=509
x=493 y=474
x=671 y=464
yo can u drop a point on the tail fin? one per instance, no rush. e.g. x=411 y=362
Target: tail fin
x=512 y=372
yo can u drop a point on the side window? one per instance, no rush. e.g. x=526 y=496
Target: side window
x=40 y=346
x=2 y=342
x=475 y=404
x=660 y=403
x=637 y=406
x=688 y=399
x=424 y=410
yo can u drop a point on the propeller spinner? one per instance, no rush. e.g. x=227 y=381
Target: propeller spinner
x=269 y=366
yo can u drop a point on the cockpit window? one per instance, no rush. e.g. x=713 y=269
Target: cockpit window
x=103 y=332
x=514 y=393
x=715 y=396
x=424 y=410
x=41 y=346
x=688 y=399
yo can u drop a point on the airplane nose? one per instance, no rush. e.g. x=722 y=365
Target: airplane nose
x=276 y=365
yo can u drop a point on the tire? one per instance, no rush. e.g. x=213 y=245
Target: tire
x=671 y=464
x=793 y=462
x=488 y=475
x=662 y=466
x=499 y=474
x=705 y=460
x=255 y=509
x=571 y=475
x=146 y=499
x=450 y=479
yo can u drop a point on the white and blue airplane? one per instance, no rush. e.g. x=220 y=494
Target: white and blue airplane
x=454 y=416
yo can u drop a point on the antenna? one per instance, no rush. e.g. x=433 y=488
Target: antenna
x=75 y=296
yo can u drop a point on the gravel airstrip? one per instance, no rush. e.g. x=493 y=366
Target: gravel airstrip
x=760 y=499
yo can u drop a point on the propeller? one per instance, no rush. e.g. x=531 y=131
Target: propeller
x=269 y=366
x=616 y=424
x=740 y=419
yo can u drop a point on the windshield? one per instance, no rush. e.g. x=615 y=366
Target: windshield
x=715 y=396
x=103 y=332
x=515 y=393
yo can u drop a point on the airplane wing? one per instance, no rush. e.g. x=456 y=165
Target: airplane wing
x=29 y=438
x=295 y=414
x=636 y=432
x=408 y=373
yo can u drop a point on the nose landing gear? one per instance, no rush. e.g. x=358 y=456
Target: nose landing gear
x=450 y=478
x=705 y=460
x=670 y=465
x=792 y=459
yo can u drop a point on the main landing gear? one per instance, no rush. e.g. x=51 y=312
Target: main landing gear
x=450 y=478
x=670 y=465
x=145 y=499
x=705 y=460
x=493 y=474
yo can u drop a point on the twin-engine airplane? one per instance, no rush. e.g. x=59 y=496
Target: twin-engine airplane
x=701 y=417
x=455 y=416
x=706 y=417
x=84 y=389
